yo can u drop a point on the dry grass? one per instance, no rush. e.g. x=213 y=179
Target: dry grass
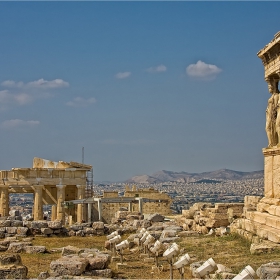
x=231 y=251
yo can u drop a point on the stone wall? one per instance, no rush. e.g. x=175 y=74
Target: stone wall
x=202 y=217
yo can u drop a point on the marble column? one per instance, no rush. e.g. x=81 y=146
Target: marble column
x=60 y=199
x=80 y=206
x=54 y=212
x=89 y=209
x=38 y=202
x=140 y=205
x=4 y=200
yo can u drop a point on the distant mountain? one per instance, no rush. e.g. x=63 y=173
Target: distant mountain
x=167 y=176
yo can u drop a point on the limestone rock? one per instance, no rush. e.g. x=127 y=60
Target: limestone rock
x=11 y=230
x=7 y=259
x=18 y=247
x=269 y=270
x=57 y=224
x=46 y=231
x=22 y=230
x=11 y=267
x=39 y=224
x=98 y=225
x=35 y=249
x=5 y=223
x=43 y=275
x=16 y=223
x=104 y=273
x=100 y=261
x=70 y=250
x=13 y=272
x=68 y=266
x=155 y=218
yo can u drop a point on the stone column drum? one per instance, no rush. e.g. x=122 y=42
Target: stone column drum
x=38 y=202
x=4 y=200
x=60 y=199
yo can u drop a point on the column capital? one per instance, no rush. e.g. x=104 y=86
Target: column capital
x=2 y=186
x=80 y=186
x=37 y=186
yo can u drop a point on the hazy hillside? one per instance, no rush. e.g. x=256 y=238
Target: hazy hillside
x=222 y=174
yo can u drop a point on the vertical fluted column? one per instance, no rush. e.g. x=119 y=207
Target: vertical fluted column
x=4 y=200
x=89 y=209
x=54 y=212
x=80 y=207
x=60 y=199
x=38 y=202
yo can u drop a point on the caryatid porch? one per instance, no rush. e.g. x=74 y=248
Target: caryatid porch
x=52 y=183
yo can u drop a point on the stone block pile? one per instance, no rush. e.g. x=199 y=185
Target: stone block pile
x=260 y=221
x=202 y=217
x=81 y=262
x=11 y=267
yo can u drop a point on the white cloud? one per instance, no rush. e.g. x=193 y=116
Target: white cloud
x=23 y=98
x=123 y=75
x=157 y=69
x=202 y=70
x=41 y=83
x=17 y=123
x=81 y=102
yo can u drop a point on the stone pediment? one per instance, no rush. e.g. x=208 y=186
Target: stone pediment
x=45 y=163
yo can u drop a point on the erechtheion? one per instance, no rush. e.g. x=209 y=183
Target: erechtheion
x=262 y=214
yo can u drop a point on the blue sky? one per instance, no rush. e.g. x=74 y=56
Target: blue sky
x=142 y=86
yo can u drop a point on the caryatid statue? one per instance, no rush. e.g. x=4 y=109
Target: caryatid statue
x=273 y=113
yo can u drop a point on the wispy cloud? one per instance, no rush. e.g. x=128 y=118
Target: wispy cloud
x=17 y=123
x=157 y=69
x=81 y=102
x=41 y=83
x=20 y=93
x=122 y=75
x=203 y=70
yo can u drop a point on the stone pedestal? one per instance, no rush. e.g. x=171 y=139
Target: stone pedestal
x=262 y=215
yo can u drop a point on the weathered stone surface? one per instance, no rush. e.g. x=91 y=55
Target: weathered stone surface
x=104 y=273
x=76 y=227
x=7 y=259
x=18 y=247
x=43 y=275
x=98 y=225
x=57 y=224
x=89 y=230
x=35 y=249
x=22 y=230
x=269 y=270
x=3 y=248
x=16 y=223
x=68 y=266
x=5 y=223
x=80 y=233
x=145 y=223
x=46 y=231
x=100 y=261
x=13 y=272
x=39 y=224
x=70 y=250
x=155 y=218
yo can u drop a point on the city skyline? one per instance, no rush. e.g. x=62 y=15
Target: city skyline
x=142 y=86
